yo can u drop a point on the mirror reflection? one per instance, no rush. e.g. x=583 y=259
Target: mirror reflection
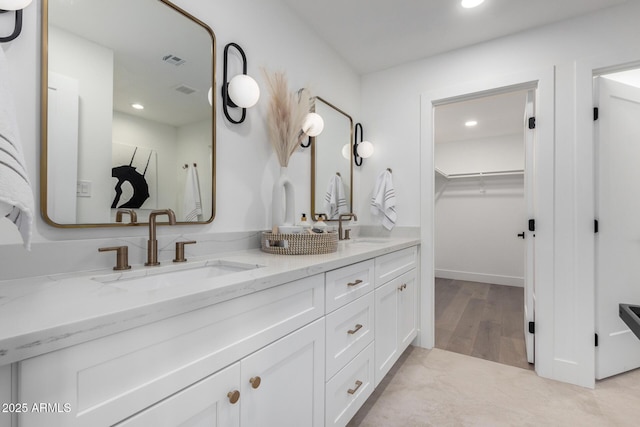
x=129 y=124
x=331 y=164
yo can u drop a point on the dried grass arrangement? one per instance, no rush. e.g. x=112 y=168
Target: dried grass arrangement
x=285 y=116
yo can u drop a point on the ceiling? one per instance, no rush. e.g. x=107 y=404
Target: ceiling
x=372 y=35
x=497 y=115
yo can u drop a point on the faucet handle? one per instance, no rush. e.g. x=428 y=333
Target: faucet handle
x=122 y=256
x=180 y=250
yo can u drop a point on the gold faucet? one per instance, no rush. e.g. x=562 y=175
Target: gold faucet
x=346 y=232
x=133 y=217
x=152 y=243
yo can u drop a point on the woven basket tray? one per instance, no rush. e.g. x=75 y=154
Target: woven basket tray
x=299 y=244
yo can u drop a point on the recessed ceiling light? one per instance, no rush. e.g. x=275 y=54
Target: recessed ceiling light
x=470 y=123
x=468 y=4
x=138 y=106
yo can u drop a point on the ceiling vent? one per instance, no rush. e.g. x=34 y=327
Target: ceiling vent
x=172 y=59
x=185 y=89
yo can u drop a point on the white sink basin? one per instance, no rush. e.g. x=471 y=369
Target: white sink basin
x=160 y=278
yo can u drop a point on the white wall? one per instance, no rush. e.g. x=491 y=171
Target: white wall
x=246 y=167
x=193 y=147
x=92 y=66
x=477 y=219
x=392 y=111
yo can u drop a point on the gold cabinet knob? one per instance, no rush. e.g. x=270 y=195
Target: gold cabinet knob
x=233 y=396
x=403 y=287
x=356 y=283
x=255 y=382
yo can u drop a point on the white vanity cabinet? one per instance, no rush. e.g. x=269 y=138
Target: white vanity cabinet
x=396 y=305
x=110 y=379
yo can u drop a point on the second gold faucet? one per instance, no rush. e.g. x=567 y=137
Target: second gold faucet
x=152 y=243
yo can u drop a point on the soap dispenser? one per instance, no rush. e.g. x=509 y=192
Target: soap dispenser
x=320 y=224
x=306 y=225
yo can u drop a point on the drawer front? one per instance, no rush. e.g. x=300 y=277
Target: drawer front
x=349 y=389
x=347 y=284
x=349 y=331
x=392 y=265
x=111 y=378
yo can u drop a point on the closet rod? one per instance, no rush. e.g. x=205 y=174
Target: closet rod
x=481 y=174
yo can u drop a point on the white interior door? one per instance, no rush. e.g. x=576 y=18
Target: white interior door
x=618 y=213
x=529 y=278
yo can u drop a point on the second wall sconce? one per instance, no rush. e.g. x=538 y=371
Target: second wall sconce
x=361 y=149
x=241 y=91
x=10 y=6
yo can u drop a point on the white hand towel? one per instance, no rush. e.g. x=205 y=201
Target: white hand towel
x=383 y=200
x=334 y=200
x=192 y=203
x=16 y=195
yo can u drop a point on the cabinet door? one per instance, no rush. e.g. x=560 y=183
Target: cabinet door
x=283 y=384
x=407 y=310
x=208 y=403
x=386 y=328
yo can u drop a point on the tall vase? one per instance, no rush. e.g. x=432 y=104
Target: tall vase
x=283 y=200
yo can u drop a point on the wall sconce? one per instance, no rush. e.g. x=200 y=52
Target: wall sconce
x=312 y=125
x=242 y=91
x=17 y=6
x=361 y=149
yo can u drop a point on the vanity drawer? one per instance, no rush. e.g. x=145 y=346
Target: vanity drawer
x=347 y=391
x=347 y=284
x=349 y=331
x=109 y=379
x=392 y=265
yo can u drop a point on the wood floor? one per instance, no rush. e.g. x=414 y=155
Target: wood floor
x=481 y=320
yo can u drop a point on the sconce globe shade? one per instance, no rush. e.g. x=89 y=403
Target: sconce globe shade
x=365 y=149
x=14 y=4
x=244 y=91
x=346 y=151
x=313 y=124
x=210 y=96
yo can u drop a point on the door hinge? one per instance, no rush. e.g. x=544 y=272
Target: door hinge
x=532 y=122
x=596 y=227
x=532 y=225
x=596 y=113
x=532 y=327
x=596 y=340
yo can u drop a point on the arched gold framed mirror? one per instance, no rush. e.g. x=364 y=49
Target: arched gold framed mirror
x=128 y=120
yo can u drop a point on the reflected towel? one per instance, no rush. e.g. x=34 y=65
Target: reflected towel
x=16 y=195
x=383 y=200
x=334 y=200
x=192 y=203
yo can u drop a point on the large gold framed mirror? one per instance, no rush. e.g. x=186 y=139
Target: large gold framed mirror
x=331 y=164
x=128 y=120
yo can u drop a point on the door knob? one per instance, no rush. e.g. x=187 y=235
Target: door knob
x=521 y=235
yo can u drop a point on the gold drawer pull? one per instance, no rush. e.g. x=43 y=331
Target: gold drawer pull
x=255 y=382
x=353 y=390
x=357 y=282
x=233 y=396
x=403 y=287
x=354 y=330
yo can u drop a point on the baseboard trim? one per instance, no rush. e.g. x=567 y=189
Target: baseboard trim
x=481 y=277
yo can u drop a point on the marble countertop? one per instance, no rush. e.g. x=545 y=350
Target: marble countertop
x=47 y=313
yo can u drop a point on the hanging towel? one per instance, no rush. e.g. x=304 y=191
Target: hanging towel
x=334 y=201
x=383 y=200
x=16 y=195
x=192 y=203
